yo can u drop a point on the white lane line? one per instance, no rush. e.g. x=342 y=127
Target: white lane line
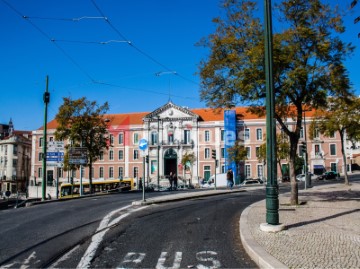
x=101 y=231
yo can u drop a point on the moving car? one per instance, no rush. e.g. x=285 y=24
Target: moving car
x=251 y=181
x=329 y=175
x=301 y=177
x=221 y=181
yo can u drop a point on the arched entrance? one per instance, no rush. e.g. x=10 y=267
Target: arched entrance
x=170 y=162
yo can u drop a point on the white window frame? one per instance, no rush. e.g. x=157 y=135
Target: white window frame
x=136 y=138
x=248 y=152
x=334 y=149
x=207 y=153
x=259 y=135
x=121 y=154
x=247 y=171
x=101 y=172
x=121 y=138
x=136 y=154
x=121 y=172
x=111 y=172
x=246 y=134
x=207 y=135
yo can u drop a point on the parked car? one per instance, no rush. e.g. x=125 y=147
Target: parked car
x=301 y=177
x=251 y=181
x=329 y=175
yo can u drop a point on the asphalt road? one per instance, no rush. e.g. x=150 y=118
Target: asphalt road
x=107 y=232
x=196 y=233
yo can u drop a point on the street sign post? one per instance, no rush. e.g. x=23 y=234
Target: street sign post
x=78 y=155
x=55 y=153
x=143 y=145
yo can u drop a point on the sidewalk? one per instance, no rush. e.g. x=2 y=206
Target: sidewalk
x=322 y=232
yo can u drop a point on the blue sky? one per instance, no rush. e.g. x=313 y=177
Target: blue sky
x=162 y=33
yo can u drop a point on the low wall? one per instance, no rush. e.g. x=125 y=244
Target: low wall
x=36 y=192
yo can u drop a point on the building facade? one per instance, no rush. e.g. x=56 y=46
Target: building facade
x=172 y=131
x=15 y=161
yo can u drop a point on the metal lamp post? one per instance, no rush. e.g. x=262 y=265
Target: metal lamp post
x=158 y=152
x=272 y=201
x=46 y=101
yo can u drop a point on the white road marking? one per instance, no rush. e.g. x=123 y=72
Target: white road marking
x=98 y=237
x=132 y=257
x=202 y=256
x=162 y=260
x=136 y=258
x=26 y=263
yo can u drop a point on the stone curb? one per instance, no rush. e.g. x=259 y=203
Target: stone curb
x=252 y=248
x=183 y=196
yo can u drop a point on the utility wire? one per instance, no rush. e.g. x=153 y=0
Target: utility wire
x=54 y=41
x=64 y=19
x=142 y=90
x=135 y=47
x=50 y=39
x=91 y=42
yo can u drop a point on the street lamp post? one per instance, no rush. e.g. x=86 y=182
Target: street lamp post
x=272 y=201
x=158 y=152
x=46 y=101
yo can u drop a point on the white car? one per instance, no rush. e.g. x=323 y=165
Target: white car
x=301 y=177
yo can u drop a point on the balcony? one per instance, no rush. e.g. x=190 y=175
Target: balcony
x=175 y=143
x=317 y=155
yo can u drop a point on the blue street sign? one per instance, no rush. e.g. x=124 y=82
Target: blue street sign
x=54 y=153
x=143 y=144
x=54 y=159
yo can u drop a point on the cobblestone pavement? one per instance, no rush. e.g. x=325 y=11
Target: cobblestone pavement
x=322 y=232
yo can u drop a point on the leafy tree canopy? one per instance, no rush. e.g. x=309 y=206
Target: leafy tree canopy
x=308 y=62
x=82 y=123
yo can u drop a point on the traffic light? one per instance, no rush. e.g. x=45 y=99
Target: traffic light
x=213 y=154
x=147 y=158
x=303 y=147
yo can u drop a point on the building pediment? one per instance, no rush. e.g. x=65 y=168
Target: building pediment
x=171 y=112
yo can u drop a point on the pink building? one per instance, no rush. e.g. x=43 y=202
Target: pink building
x=171 y=131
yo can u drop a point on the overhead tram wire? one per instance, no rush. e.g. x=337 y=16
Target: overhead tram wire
x=91 y=42
x=142 y=90
x=137 y=48
x=50 y=39
x=54 y=41
x=64 y=19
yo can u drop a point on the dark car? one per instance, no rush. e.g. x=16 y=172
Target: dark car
x=328 y=175
x=250 y=181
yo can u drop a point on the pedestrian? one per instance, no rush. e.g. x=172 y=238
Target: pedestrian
x=171 y=180
x=230 y=179
x=140 y=184
x=175 y=179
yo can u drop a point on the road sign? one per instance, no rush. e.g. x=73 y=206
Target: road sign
x=143 y=144
x=55 y=145
x=54 y=153
x=78 y=155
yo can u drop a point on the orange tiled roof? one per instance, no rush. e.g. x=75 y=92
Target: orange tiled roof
x=205 y=114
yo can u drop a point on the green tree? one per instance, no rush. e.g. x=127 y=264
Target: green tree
x=82 y=123
x=187 y=160
x=342 y=116
x=237 y=153
x=282 y=150
x=308 y=63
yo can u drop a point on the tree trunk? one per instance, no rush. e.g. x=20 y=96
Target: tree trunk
x=344 y=158
x=294 y=197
